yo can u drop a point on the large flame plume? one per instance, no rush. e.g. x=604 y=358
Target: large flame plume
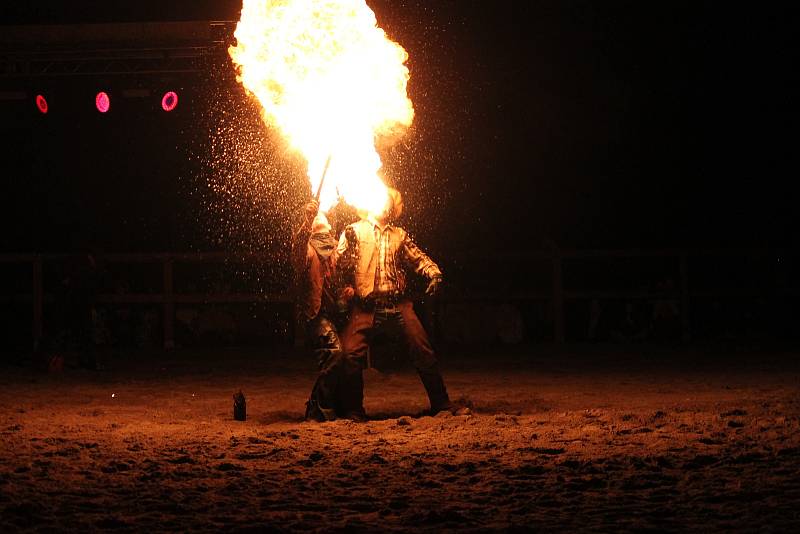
x=332 y=82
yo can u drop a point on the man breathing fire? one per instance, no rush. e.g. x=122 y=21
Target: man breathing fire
x=334 y=84
x=373 y=256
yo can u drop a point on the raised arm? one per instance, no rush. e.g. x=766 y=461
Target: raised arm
x=422 y=264
x=301 y=235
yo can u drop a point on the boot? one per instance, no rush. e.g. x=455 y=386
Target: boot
x=434 y=386
x=437 y=393
x=350 y=395
x=315 y=411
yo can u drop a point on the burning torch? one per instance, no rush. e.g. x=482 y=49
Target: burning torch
x=322 y=180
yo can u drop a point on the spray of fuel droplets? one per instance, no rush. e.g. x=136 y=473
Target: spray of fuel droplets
x=245 y=192
x=252 y=182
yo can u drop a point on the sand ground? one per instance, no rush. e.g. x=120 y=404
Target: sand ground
x=604 y=439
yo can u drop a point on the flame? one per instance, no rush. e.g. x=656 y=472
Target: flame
x=332 y=82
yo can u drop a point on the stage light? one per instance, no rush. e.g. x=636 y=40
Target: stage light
x=41 y=104
x=169 y=101
x=102 y=102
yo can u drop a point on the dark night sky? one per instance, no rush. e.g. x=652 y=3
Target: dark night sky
x=586 y=124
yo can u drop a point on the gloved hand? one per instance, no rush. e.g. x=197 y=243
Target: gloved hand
x=350 y=234
x=310 y=210
x=434 y=286
x=346 y=293
x=343 y=298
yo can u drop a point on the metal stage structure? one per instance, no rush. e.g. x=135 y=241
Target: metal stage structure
x=128 y=49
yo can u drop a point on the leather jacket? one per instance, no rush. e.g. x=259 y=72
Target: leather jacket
x=358 y=257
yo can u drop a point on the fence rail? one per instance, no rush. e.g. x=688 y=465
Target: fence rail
x=558 y=295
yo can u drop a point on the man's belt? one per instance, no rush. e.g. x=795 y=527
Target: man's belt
x=381 y=302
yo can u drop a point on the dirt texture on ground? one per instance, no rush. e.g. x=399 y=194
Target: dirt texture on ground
x=567 y=439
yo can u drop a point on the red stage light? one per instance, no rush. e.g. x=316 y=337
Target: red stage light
x=169 y=101
x=102 y=102
x=41 y=103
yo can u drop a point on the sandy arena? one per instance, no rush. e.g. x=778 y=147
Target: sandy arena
x=589 y=439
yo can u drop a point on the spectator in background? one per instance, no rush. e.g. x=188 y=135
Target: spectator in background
x=666 y=313
x=595 y=317
x=81 y=283
x=510 y=328
x=633 y=325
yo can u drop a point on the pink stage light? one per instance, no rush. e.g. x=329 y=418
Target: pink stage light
x=169 y=101
x=102 y=102
x=41 y=104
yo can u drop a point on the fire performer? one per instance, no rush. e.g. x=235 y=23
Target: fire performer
x=314 y=261
x=374 y=255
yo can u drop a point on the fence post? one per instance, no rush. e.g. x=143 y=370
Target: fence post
x=299 y=327
x=38 y=299
x=685 y=324
x=558 y=300
x=169 y=305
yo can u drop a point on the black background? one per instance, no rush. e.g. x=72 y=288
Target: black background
x=573 y=123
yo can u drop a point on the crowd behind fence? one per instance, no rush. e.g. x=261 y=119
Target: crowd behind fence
x=560 y=295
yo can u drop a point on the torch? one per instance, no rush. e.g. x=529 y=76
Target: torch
x=322 y=180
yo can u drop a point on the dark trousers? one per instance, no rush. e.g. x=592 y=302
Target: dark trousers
x=328 y=397
x=366 y=322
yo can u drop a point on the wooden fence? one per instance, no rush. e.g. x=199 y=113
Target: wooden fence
x=557 y=295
